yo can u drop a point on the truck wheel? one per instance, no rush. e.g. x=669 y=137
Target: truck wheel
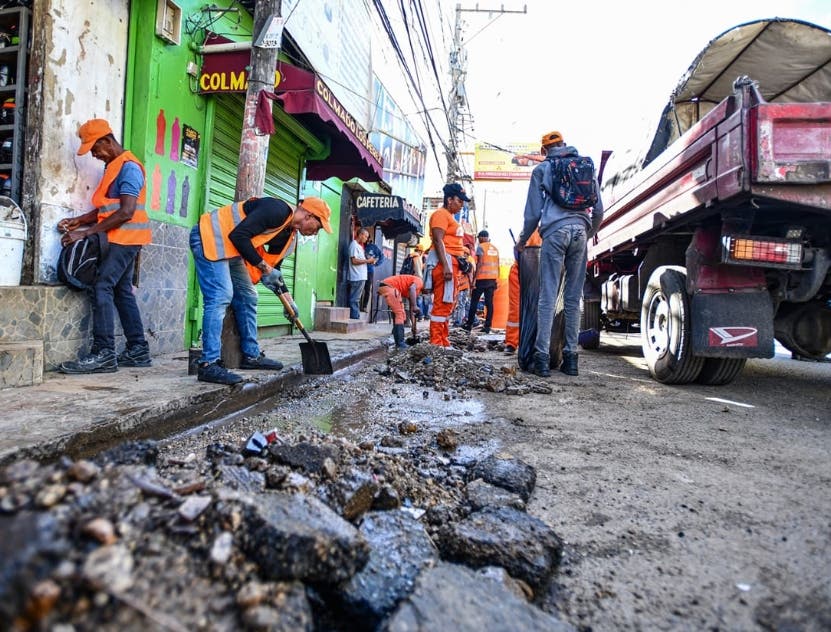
x=665 y=328
x=590 y=319
x=720 y=371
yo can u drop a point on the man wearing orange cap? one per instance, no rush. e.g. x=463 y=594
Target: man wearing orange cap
x=233 y=248
x=564 y=233
x=119 y=213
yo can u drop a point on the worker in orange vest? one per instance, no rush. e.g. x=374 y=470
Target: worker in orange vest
x=233 y=248
x=393 y=289
x=447 y=235
x=487 y=273
x=119 y=211
x=512 y=324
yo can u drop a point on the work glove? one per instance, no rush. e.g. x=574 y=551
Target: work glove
x=293 y=309
x=273 y=280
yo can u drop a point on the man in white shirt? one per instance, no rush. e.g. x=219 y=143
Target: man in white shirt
x=357 y=273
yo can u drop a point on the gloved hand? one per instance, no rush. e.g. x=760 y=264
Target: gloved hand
x=293 y=309
x=273 y=280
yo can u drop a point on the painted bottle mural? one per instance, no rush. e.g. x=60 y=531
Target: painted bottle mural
x=175 y=131
x=156 y=195
x=171 y=194
x=161 y=128
x=183 y=205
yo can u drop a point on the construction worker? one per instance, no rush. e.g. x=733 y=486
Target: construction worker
x=447 y=235
x=119 y=212
x=512 y=325
x=230 y=256
x=487 y=273
x=393 y=289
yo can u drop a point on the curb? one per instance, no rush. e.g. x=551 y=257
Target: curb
x=170 y=417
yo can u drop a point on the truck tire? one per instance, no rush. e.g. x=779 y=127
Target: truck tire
x=665 y=328
x=590 y=319
x=720 y=371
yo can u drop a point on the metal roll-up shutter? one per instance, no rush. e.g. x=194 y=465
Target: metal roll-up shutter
x=282 y=180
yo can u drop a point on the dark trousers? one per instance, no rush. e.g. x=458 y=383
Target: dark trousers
x=486 y=287
x=114 y=290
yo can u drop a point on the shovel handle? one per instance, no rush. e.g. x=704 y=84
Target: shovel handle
x=293 y=317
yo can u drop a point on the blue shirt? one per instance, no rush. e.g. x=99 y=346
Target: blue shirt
x=129 y=181
x=372 y=250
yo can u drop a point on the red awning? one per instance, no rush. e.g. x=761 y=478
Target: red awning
x=306 y=96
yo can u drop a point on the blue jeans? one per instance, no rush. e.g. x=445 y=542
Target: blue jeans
x=224 y=283
x=114 y=288
x=566 y=247
x=355 y=289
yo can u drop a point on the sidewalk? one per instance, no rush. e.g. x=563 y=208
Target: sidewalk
x=79 y=414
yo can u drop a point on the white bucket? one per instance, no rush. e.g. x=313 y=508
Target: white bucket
x=12 y=237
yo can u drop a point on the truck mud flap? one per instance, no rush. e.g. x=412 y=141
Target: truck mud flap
x=732 y=325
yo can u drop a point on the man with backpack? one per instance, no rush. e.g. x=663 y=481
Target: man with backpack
x=119 y=213
x=564 y=202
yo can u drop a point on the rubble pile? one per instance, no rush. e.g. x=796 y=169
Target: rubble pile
x=306 y=532
x=453 y=368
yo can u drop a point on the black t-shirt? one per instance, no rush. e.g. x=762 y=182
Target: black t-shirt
x=261 y=215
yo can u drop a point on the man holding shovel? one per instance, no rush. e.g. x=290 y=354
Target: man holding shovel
x=233 y=248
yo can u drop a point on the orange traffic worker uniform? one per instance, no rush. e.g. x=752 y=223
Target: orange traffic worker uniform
x=445 y=290
x=136 y=231
x=394 y=289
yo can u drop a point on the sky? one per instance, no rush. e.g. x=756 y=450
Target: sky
x=597 y=71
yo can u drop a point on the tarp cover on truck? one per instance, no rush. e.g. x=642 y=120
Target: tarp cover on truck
x=789 y=59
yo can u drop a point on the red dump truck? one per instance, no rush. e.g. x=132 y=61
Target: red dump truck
x=717 y=237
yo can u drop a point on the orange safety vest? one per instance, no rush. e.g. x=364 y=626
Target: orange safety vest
x=135 y=231
x=215 y=228
x=489 y=269
x=534 y=240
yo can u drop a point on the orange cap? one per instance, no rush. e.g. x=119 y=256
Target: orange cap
x=550 y=138
x=319 y=209
x=90 y=132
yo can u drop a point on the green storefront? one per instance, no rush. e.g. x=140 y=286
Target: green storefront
x=184 y=122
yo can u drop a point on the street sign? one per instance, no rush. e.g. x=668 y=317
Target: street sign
x=271 y=35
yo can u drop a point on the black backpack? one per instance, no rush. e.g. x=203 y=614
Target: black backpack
x=573 y=184
x=78 y=262
x=408 y=267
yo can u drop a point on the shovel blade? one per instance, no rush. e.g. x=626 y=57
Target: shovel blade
x=316 y=360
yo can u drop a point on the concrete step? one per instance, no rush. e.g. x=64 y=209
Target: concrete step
x=336 y=319
x=21 y=363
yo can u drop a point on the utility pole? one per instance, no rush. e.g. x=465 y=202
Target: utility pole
x=253 y=150
x=253 y=147
x=458 y=96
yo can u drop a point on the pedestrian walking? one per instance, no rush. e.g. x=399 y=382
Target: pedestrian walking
x=564 y=233
x=119 y=212
x=233 y=248
x=371 y=250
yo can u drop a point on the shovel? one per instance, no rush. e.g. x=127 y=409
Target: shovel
x=316 y=360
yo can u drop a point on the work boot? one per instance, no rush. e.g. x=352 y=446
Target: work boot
x=137 y=355
x=569 y=365
x=510 y=349
x=215 y=373
x=260 y=362
x=398 y=336
x=541 y=365
x=103 y=361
